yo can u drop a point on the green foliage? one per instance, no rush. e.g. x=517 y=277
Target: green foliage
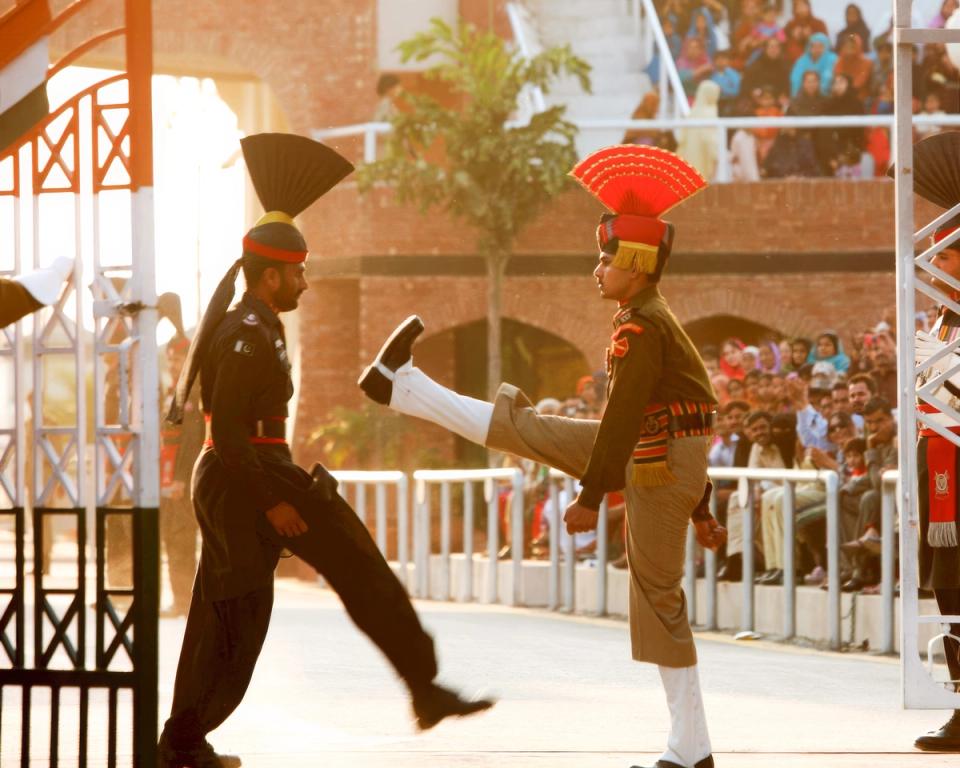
x=370 y=437
x=494 y=175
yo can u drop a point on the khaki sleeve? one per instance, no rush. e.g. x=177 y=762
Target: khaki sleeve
x=636 y=370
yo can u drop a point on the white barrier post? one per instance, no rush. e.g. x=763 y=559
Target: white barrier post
x=602 y=559
x=554 y=523
x=710 y=567
x=746 y=610
x=789 y=566
x=833 y=559
x=467 y=594
x=445 y=539
x=887 y=563
x=493 y=535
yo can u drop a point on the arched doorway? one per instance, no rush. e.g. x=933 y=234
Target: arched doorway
x=540 y=363
x=714 y=329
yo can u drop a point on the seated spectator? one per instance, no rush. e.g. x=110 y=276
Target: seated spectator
x=856 y=27
x=725 y=76
x=842 y=404
x=767 y=106
x=861 y=389
x=786 y=352
x=947 y=9
x=818 y=58
x=937 y=73
x=768 y=356
x=736 y=390
x=711 y=359
x=809 y=400
x=791 y=156
x=852 y=62
x=751 y=385
x=880 y=76
x=649 y=109
x=830 y=350
x=767 y=28
x=731 y=358
x=931 y=107
x=883 y=365
x=800 y=28
x=881 y=456
x=769 y=70
x=799 y=353
x=698 y=146
x=702 y=28
x=749 y=358
x=854 y=164
x=842 y=101
x=694 y=66
x=743 y=156
x=765 y=454
x=745 y=40
x=779 y=401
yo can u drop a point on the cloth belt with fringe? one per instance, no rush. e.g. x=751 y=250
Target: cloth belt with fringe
x=684 y=418
x=941 y=458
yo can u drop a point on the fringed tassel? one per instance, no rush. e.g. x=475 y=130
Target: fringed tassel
x=941 y=534
x=650 y=475
x=638 y=256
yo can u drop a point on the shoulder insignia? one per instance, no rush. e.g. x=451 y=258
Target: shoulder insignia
x=250 y=319
x=243 y=348
x=619 y=347
x=627 y=328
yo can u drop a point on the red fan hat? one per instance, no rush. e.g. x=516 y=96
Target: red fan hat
x=638 y=184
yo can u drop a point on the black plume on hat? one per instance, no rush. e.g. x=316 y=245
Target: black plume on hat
x=290 y=172
x=936 y=169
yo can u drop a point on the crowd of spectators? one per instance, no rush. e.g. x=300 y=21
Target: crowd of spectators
x=807 y=403
x=747 y=59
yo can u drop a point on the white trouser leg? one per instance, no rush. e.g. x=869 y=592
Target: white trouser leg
x=689 y=741
x=416 y=394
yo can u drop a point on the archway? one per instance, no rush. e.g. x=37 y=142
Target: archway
x=540 y=363
x=714 y=329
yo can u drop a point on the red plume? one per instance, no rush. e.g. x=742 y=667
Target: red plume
x=638 y=180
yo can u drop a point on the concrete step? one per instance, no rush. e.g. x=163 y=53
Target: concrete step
x=625 y=83
x=584 y=9
x=556 y=30
x=600 y=107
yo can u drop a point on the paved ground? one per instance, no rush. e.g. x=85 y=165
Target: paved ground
x=569 y=696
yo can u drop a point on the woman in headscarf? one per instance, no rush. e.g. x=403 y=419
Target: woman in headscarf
x=852 y=62
x=770 y=70
x=800 y=28
x=702 y=27
x=731 y=360
x=694 y=65
x=698 y=146
x=647 y=109
x=818 y=58
x=829 y=349
x=855 y=26
x=841 y=141
x=768 y=356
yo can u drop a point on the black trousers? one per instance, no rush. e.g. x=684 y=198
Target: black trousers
x=178 y=531
x=223 y=638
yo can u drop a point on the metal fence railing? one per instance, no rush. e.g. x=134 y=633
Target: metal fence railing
x=445 y=569
x=723 y=126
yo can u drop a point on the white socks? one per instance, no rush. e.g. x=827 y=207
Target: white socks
x=689 y=741
x=416 y=394
x=45 y=284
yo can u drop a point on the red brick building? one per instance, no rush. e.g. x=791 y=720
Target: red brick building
x=792 y=257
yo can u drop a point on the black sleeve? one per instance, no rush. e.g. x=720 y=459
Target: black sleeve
x=191 y=439
x=241 y=360
x=634 y=377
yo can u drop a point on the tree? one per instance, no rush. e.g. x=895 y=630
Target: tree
x=493 y=173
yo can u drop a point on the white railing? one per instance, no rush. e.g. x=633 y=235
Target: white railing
x=523 y=577
x=528 y=43
x=723 y=127
x=359 y=481
x=647 y=27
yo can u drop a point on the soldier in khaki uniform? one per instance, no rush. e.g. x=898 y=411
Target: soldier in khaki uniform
x=652 y=440
x=23 y=294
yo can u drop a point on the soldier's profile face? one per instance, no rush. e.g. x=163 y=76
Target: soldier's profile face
x=614 y=283
x=292 y=283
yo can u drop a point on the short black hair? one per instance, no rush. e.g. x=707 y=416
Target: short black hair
x=757 y=416
x=841 y=384
x=855 y=445
x=878 y=403
x=254 y=266
x=740 y=405
x=385 y=83
x=867 y=379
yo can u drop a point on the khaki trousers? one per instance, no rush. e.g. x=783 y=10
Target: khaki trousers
x=657 y=517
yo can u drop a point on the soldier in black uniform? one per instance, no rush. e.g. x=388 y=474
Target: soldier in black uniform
x=252 y=501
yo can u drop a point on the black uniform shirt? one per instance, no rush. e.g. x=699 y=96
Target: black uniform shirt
x=245 y=377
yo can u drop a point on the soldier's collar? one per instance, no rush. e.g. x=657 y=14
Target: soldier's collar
x=644 y=297
x=264 y=312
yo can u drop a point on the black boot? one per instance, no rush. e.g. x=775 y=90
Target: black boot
x=394 y=353
x=707 y=762
x=433 y=703
x=203 y=756
x=732 y=569
x=946 y=739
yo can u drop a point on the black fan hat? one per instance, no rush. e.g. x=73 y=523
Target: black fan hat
x=936 y=173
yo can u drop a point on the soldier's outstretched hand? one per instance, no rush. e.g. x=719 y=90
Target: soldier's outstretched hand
x=580 y=519
x=710 y=534
x=285 y=520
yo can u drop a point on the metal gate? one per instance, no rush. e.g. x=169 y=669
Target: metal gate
x=921 y=688
x=69 y=694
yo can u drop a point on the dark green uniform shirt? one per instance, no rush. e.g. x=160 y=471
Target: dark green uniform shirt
x=651 y=361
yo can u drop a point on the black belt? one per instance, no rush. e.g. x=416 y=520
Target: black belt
x=271 y=430
x=690 y=421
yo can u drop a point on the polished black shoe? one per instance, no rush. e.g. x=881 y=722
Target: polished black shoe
x=203 y=756
x=707 y=762
x=772 y=578
x=946 y=739
x=394 y=353
x=434 y=703
x=762 y=578
x=732 y=570
x=855 y=584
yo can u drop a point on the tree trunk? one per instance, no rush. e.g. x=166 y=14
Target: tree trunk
x=496 y=266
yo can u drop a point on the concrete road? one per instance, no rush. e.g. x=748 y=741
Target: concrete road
x=569 y=696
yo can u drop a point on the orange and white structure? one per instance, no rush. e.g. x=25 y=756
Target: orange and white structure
x=58 y=163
